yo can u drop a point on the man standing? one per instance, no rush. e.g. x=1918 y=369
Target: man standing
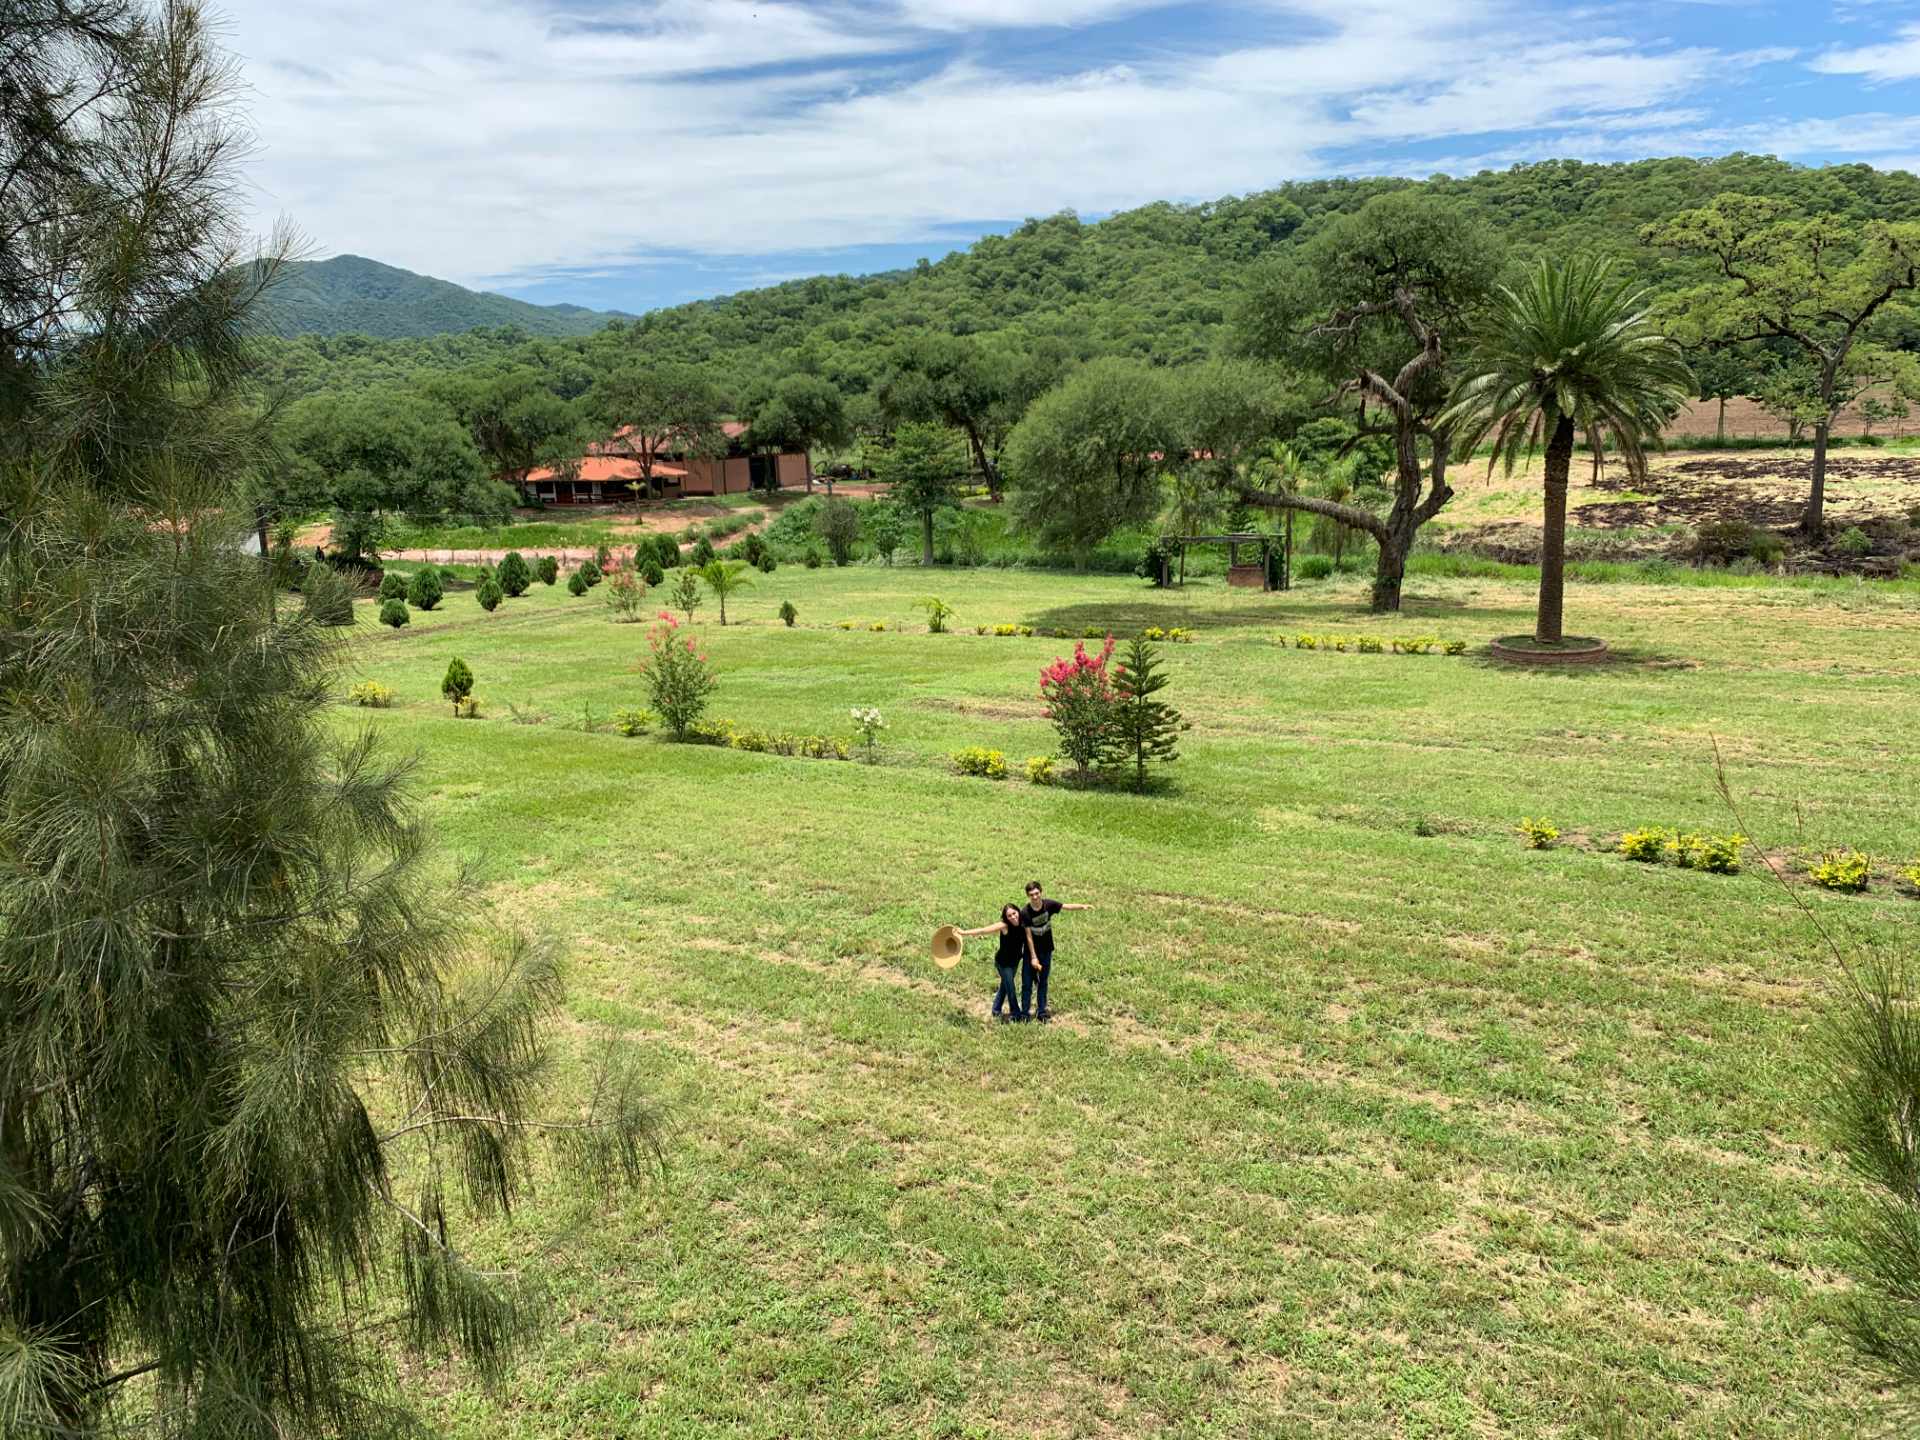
x=1038 y=915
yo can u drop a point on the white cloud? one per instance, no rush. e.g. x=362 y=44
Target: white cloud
x=496 y=140
x=1880 y=64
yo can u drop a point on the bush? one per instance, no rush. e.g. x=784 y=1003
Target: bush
x=767 y=563
x=1455 y=647
x=978 y=760
x=877 y=626
x=1854 y=541
x=703 y=553
x=590 y=572
x=813 y=560
x=1313 y=567
x=424 y=591
x=868 y=723
x=1080 y=700
x=1140 y=729
x=325 y=596
x=788 y=614
x=666 y=550
x=457 y=683
x=447 y=572
x=576 y=584
x=372 y=694
x=840 y=528
x=467 y=708
x=625 y=596
x=938 y=613
x=489 y=595
x=1847 y=870
x=1040 y=769
x=1306 y=642
x=1911 y=874
x=1648 y=845
x=1369 y=645
x=686 y=594
x=514 y=576
x=651 y=572
x=1717 y=854
x=1417 y=645
x=631 y=723
x=393 y=586
x=548 y=569
x=1721 y=542
x=677 y=675
x=1539 y=834
x=394 y=613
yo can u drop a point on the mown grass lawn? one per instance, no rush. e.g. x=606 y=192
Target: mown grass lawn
x=1357 y=1117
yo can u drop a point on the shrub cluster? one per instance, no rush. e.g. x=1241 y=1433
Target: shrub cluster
x=1539 y=834
x=632 y=722
x=1374 y=645
x=1040 y=769
x=1113 y=721
x=372 y=694
x=1003 y=629
x=769 y=742
x=1847 y=870
x=1175 y=636
x=978 y=760
x=1689 y=849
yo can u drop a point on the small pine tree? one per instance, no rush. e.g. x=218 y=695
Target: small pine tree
x=458 y=681
x=703 y=553
x=788 y=614
x=667 y=550
x=1142 y=729
x=489 y=595
x=767 y=563
x=576 y=584
x=686 y=593
x=514 y=575
x=394 y=613
x=393 y=586
x=548 y=569
x=425 y=590
x=589 y=572
x=652 y=573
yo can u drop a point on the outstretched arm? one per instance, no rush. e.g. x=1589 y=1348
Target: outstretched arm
x=987 y=930
x=1077 y=907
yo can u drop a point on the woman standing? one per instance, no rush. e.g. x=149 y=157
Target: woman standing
x=1016 y=945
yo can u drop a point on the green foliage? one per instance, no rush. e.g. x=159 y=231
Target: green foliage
x=938 y=613
x=393 y=586
x=489 y=595
x=457 y=683
x=921 y=471
x=577 y=584
x=840 y=528
x=548 y=569
x=632 y=722
x=1723 y=541
x=1647 y=845
x=652 y=573
x=788 y=614
x=590 y=573
x=678 y=677
x=1313 y=567
x=979 y=761
x=1854 y=541
x=372 y=694
x=1843 y=869
x=424 y=590
x=1538 y=834
x=625 y=596
x=685 y=596
x=703 y=553
x=648 y=409
x=394 y=613
x=666 y=550
x=325 y=596
x=1455 y=647
x=1040 y=770
x=467 y=707
x=1141 y=729
x=514 y=575
x=1717 y=854
x=886 y=529
x=1369 y=645
x=723 y=578
x=768 y=564
x=813 y=560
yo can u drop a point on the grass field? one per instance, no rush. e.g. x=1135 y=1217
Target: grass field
x=1357 y=1119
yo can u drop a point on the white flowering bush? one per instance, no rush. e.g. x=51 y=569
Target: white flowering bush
x=868 y=721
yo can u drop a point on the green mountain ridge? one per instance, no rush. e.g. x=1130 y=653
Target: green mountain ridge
x=352 y=295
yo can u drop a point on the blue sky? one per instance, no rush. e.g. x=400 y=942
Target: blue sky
x=635 y=153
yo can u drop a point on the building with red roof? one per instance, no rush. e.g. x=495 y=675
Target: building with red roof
x=607 y=473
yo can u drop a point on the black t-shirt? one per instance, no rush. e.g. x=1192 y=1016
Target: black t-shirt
x=1039 y=919
x=1013 y=946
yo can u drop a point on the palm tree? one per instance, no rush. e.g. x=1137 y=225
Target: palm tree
x=724 y=578
x=1569 y=354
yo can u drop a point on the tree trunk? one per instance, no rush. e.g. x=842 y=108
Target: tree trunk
x=1814 y=519
x=1720 y=433
x=926 y=537
x=1548 y=627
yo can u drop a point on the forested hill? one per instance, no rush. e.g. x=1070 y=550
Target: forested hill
x=349 y=295
x=1157 y=282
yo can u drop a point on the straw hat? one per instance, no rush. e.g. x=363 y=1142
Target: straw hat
x=946 y=947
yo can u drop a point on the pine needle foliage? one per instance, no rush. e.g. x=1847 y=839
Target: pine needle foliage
x=1142 y=730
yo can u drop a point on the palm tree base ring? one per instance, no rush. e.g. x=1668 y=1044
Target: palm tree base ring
x=1573 y=650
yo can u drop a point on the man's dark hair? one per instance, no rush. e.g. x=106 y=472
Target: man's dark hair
x=1032 y=885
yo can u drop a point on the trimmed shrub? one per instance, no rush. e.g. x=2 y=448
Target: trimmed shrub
x=514 y=575
x=813 y=560
x=590 y=572
x=767 y=563
x=489 y=595
x=651 y=572
x=394 y=613
x=1455 y=647
x=1369 y=645
x=372 y=694
x=424 y=591
x=703 y=553
x=788 y=614
x=1539 y=834
x=393 y=586
x=1716 y=854
x=547 y=568
x=576 y=584
x=1313 y=567
x=631 y=723
x=1847 y=870
x=1040 y=769
x=457 y=683
x=1648 y=845
x=978 y=760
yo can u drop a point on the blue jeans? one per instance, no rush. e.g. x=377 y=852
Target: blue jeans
x=1005 y=992
x=1031 y=980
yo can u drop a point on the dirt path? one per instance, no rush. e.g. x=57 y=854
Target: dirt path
x=625 y=528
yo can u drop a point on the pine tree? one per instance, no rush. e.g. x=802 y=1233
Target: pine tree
x=1142 y=729
x=252 y=1071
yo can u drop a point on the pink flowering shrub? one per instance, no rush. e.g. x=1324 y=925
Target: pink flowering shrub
x=677 y=674
x=1080 y=702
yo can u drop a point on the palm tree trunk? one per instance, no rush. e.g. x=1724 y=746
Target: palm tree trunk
x=1548 y=623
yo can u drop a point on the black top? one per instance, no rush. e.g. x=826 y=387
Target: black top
x=1013 y=945
x=1039 y=919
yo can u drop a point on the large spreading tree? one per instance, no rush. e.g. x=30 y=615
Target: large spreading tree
x=922 y=471
x=253 y=1070
x=517 y=420
x=1569 y=355
x=980 y=390
x=1815 y=283
x=799 y=412
x=1376 y=305
x=651 y=412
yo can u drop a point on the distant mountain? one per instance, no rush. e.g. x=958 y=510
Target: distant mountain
x=349 y=295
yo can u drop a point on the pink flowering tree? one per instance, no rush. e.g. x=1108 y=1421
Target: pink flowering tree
x=677 y=674
x=1080 y=702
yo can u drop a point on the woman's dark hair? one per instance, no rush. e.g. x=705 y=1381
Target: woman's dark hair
x=1003 y=913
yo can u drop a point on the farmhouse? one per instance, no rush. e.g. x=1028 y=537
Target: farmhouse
x=605 y=473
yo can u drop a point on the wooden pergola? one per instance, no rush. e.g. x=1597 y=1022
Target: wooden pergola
x=1261 y=574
